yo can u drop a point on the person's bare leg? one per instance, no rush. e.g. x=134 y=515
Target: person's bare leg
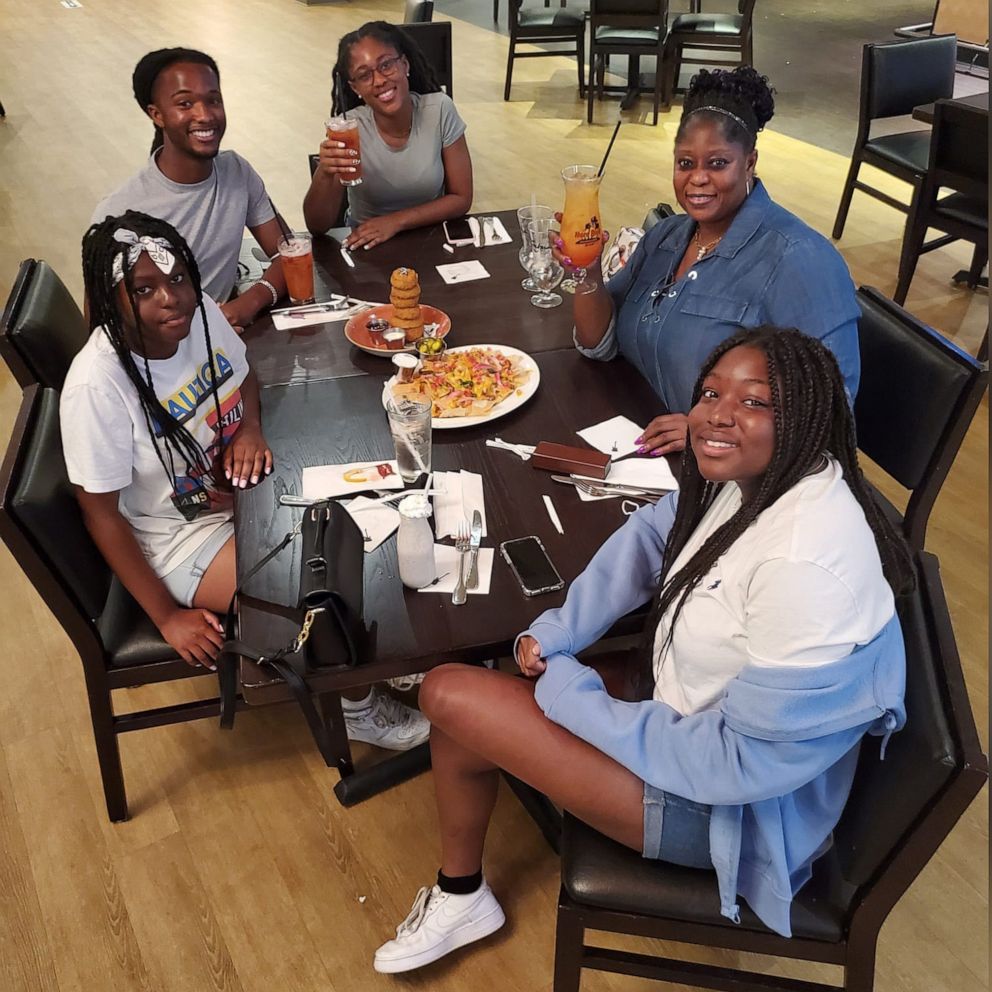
x=484 y=721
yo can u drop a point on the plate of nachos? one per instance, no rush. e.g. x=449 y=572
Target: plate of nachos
x=470 y=385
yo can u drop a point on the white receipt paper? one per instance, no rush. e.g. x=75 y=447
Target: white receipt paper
x=326 y=481
x=462 y=271
x=375 y=520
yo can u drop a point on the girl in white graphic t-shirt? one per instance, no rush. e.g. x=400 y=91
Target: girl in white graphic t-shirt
x=160 y=422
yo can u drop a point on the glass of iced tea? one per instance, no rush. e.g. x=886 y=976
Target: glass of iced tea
x=346 y=129
x=296 y=253
x=581 y=230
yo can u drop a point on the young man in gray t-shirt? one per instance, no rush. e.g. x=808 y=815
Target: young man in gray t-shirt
x=209 y=196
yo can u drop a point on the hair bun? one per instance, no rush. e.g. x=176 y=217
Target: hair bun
x=743 y=86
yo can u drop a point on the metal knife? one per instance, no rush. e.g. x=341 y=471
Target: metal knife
x=473 y=546
x=619 y=486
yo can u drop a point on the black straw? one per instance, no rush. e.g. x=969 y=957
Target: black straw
x=283 y=226
x=609 y=148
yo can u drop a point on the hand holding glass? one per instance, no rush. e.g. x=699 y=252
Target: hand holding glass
x=581 y=230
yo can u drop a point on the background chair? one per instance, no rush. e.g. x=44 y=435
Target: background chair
x=917 y=397
x=717 y=32
x=41 y=524
x=626 y=27
x=959 y=161
x=898 y=814
x=545 y=26
x=434 y=39
x=656 y=215
x=41 y=329
x=418 y=11
x=895 y=78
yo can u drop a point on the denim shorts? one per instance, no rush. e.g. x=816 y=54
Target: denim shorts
x=676 y=830
x=184 y=579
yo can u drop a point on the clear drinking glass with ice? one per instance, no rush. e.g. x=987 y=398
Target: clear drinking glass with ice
x=410 y=425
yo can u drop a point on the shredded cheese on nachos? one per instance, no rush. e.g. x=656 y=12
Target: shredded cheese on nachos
x=465 y=383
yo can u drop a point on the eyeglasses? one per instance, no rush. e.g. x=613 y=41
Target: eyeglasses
x=387 y=67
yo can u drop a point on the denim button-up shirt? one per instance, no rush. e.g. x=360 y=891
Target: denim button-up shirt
x=769 y=268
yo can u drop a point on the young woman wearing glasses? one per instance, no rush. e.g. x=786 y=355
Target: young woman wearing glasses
x=416 y=168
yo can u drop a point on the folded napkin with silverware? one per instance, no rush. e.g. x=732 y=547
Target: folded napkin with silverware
x=446 y=561
x=649 y=475
x=335 y=309
x=488 y=231
x=461 y=497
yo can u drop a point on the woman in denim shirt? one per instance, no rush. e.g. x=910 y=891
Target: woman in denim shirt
x=733 y=259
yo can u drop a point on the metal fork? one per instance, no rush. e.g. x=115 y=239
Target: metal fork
x=592 y=490
x=462 y=539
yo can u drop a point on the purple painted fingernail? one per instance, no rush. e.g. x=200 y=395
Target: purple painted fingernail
x=643 y=449
x=568 y=261
x=655 y=454
x=559 y=243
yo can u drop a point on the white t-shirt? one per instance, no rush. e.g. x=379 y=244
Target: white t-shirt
x=211 y=215
x=803 y=585
x=108 y=447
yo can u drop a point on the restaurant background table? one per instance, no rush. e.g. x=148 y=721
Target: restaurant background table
x=980 y=101
x=484 y=311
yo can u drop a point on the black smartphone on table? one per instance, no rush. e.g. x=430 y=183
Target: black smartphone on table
x=531 y=565
x=458 y=232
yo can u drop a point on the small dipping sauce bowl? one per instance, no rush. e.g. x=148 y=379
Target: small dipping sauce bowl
x=394 y=339
x=406 y=364
x=376 y=327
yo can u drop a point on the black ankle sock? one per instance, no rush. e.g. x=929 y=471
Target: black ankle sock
x=460 y=885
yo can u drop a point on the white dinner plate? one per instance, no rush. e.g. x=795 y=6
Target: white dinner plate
x=511 y=403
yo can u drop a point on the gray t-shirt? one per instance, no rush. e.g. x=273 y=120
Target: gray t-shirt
x=399 y=178
x=211 y=216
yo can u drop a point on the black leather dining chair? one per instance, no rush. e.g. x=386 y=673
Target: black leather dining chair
x=42 y=329
x=959 y=162
x=715 y=32
x=916 y=400
x=434 y=39
x=895 y=78
x=543 y=26
x=42 y=527
x=633 y=28
x=898 y=814
x=418 y=11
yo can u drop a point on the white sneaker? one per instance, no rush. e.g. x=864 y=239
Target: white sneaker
x=386 y=722
x=438 y=924
x=404 y=683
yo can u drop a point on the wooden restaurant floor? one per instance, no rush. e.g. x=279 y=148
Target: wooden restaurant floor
x=238 y=869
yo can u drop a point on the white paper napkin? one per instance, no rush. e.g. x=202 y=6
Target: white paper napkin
x=652 y=472
x=615 y=437
x=283 y=322
x=446 y=560
x=376 y=521
x=497 y=233
x=462 y=271
x=462 y=496
x=325 y=481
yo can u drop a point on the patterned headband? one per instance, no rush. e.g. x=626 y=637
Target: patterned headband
x=159 y=251
x=726 y=113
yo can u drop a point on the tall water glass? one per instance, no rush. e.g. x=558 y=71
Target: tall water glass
x=410 y=425
x=532 y=212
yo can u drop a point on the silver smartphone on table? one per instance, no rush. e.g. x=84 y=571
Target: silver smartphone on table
x=530 y=563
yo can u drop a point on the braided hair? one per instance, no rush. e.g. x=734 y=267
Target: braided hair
x=151 y=66
x=99 y=251
x=739 y=102
x=812 y=416
x=422 y=78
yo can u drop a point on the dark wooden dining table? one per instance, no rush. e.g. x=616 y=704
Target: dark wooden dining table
x=980 y=101
x=485 y=311
x=322 y=404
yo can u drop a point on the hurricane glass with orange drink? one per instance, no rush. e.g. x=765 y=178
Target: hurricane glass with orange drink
x=581 y=230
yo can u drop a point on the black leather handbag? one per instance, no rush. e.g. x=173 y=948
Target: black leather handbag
x=332 y=632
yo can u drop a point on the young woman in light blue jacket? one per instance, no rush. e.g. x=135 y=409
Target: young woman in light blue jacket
x=773 y=646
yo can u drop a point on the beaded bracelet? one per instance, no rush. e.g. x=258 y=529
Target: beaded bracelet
x=270 y=288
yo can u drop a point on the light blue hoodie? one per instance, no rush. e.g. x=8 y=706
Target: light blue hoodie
x=775 y=758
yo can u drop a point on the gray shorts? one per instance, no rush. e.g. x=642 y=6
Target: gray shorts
x=676 y=829
x=184 y=579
